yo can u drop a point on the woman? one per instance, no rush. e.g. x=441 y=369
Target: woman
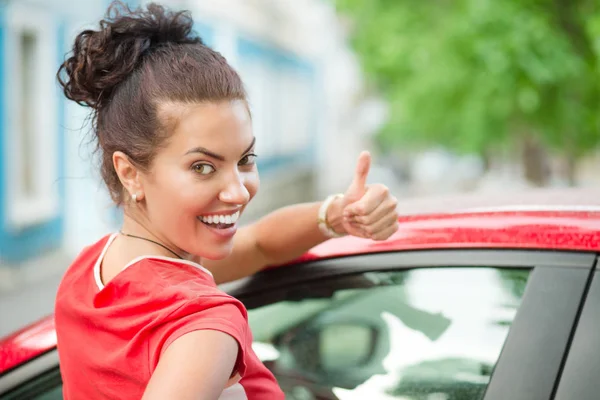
x=139 y=314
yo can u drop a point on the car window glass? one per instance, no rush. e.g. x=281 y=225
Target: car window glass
x=417 y=334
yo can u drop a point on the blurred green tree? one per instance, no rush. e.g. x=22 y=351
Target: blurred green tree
x=482 y=75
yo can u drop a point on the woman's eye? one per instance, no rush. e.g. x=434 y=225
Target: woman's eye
x=203 y=169
x=249 y=159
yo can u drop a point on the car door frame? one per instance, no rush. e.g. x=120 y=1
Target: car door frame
x=538 y=341
x=535 y=349
x=579 y=376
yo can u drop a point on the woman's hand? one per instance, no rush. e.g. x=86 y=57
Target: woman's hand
x=367 y=211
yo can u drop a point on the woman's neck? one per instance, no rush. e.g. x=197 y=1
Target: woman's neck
x=137 y=228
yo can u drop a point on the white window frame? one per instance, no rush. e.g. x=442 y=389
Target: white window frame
x=294 y=110
x=25 y=210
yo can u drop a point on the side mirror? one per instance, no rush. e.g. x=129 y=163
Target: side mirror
x=346 y=345
x=334 y=347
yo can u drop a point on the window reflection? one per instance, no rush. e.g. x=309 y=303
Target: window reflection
x=422 y=334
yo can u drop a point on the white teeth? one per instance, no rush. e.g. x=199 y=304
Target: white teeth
x=221 y=219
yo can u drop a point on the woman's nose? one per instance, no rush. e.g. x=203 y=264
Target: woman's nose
x=235 y=191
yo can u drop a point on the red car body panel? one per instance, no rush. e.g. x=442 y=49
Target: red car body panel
x=536 y=230
x=27 y=343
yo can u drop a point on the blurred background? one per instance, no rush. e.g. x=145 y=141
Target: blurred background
x=454 y=96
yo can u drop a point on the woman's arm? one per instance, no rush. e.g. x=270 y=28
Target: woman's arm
x=281 y=236
x=195 y=366
x=287 y=233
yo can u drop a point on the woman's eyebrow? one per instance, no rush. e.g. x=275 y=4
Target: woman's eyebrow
x=205 y=151
x=216 y=156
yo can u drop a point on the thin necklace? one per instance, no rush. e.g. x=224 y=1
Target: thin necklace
x=152 y=241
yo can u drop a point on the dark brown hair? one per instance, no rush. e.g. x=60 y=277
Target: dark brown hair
x=123 y=71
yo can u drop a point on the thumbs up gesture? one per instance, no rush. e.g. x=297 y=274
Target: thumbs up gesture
x=368 y=211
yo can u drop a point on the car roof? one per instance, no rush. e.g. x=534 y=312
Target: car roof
x=567 y=230
x=557 y=219
x=515 y=224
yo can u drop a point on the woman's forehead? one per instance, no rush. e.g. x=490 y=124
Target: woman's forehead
x=211 y=124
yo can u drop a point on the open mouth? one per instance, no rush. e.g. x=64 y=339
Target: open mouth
x=220 y=221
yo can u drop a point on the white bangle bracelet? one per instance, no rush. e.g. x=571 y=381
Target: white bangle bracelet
x=322 y=218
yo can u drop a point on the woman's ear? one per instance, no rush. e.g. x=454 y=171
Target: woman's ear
x=128 y=174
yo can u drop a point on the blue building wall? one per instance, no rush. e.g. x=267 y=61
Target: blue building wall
x=131 y=3
x=19 y=245
x=206 y=32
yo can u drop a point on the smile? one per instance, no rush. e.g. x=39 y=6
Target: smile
x=221 y=221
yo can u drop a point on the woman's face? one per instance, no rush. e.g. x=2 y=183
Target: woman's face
x=203 y=178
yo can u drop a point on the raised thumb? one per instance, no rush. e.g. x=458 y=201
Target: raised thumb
x=358 y=186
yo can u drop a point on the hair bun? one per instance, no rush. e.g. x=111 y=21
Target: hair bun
x=104 y=58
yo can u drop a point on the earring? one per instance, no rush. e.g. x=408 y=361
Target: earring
x=134 y=197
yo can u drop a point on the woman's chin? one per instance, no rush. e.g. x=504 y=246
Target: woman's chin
x=216 y=254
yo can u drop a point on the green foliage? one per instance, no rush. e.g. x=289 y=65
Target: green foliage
x=474 y=74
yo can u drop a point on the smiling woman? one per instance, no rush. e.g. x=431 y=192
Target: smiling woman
x=204 y=170
x=175 y=135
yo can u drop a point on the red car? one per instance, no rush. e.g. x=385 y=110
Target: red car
x=480 y=304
